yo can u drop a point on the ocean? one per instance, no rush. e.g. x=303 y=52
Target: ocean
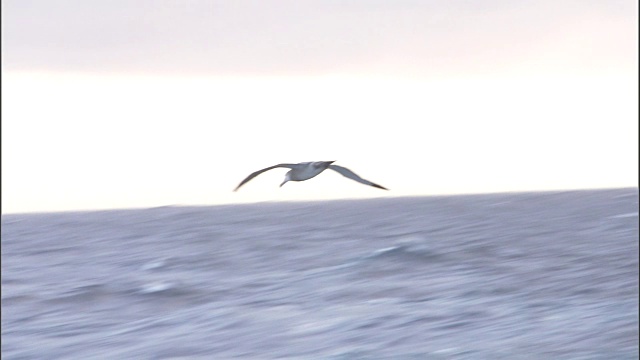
x=540 y=275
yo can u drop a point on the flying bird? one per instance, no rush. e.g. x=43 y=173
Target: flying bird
x=307 y=170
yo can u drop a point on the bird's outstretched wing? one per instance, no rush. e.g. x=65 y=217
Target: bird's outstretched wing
x=353 y=176
x=290 y=166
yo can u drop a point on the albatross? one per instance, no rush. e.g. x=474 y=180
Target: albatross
x=307 y=170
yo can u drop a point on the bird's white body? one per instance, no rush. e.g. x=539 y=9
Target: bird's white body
x=307 y=170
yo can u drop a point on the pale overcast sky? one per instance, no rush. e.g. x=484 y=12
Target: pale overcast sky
x=117 y=104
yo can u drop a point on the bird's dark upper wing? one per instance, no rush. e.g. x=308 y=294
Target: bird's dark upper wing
x=290 y=166
x=353 y=176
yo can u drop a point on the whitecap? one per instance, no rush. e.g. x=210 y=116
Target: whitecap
x=155 y=264
x=622 y=216
x=156 y=287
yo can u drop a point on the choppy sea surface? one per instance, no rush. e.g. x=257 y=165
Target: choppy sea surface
x=500 y=276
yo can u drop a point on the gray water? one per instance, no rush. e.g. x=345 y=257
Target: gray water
x=502 y=276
